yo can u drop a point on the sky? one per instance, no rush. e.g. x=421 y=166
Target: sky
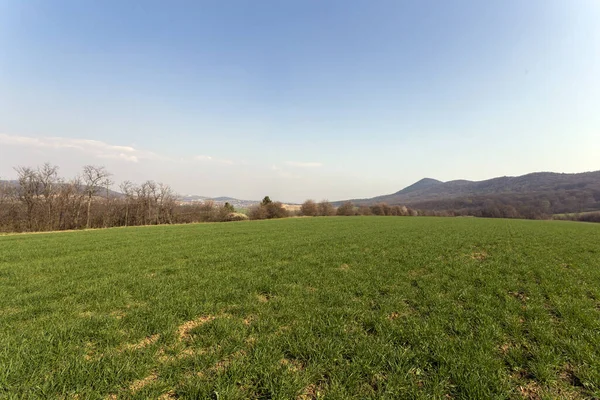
x=320 y=99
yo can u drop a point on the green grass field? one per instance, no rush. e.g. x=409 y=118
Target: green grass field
x=335 y=308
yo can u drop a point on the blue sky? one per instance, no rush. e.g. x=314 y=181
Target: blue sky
x=300 y=99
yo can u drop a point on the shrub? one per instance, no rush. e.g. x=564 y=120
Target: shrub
x=276 y=210
x=326 y=209
x=364 y=210
x=236 y=217
x=268 y=210
x=346 y=209
x=309 y=208
x=257 y=212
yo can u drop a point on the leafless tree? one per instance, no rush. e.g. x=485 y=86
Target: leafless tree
x=346 y=209
x=69 y=200
x=325 y=208
x=166 y=202
x=309 y=208
x=377 y=209
x=128 y=189
x=49 y=185
x=28 y=192
x=364 y=210
x=8 y=202
x=257 y=211
x=94 y=178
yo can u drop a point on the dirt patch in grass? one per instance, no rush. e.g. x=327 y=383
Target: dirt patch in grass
x=226 y=362
x=567 y=374
x=521 y=296
x=10 y=311
x=377 y=380
x=265 y=297
x=262 y=298
x=147 y=341
x=118 y=314
x=292 y=365
x=142 y=383
x=506 y=347
x=415 y=273
x=183 y=331
x=86 y=314
x=223 y=364
x=185 y=353
x=479 y=255
x=344 y=267
x=531 y=391
x=311 y=392
x=168 y=396
x=396 y=315
x=282 y=329
x=91 y=353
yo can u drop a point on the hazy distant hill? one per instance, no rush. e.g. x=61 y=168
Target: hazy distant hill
x=237 y=203
x=101 y=191
x=564 y=192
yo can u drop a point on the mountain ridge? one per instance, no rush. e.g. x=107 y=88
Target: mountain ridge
x=568 y=192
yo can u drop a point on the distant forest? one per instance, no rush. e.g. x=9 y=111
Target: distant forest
x=41 y=200
x=540 y=195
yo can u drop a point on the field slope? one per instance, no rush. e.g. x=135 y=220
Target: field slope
x=364 y=307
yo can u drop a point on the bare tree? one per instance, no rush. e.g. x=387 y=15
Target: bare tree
x=142 y=193
x=94 y=178
x=150 y=194
x=128 y=189
x=364 y=210
x=257 y=211
x=326 y=209
x=166 y=202
x=49 y=182
x=5 y=192
x=346 y=209
x=78 y=200
x=8 y=202
x=207 y=209
x=309 y=208
x=377 y=209
x=28 y=192
x=68 y=202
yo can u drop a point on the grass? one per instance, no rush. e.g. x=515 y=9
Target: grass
x=336 y=308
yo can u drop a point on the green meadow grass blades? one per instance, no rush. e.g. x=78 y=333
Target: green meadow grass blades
x=335 y=308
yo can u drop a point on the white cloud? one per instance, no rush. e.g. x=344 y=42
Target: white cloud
x=94 y=147
x=283 y=173
x=304 y=164
x=213 y=160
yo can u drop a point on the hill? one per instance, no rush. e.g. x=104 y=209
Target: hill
x=547 y=191
x=237 y=203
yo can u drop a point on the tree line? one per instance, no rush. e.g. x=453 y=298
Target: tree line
x=542 y=205
x=41 y=200
x=324 y=208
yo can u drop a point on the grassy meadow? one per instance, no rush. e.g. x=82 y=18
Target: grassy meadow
x=304 y=308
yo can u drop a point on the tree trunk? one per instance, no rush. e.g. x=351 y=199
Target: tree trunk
x=89 y=206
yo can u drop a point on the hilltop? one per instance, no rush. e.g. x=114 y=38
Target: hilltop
x=551 y=192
